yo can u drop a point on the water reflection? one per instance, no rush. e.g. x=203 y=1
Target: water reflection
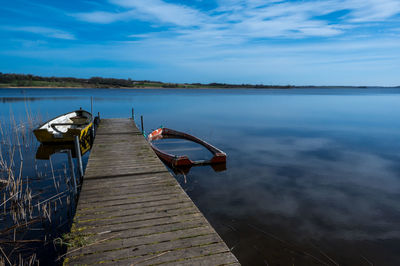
x=45 y=151
x=31 y=99
x=302 y=192
x=220 y=167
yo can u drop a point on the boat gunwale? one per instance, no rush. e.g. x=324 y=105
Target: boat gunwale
x=48 y=121
x=89 y=124
x=218 y=155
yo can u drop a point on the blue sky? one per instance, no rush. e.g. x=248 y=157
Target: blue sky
x=299 y=42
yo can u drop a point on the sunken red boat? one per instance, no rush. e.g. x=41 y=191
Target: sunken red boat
x=175 y=160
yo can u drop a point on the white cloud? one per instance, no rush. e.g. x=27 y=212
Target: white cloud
x=364 y=62
x=247 y=19
x=44 y=31
x=140 y=36
x=156 y=11
x=102 y=17
x=372 y=10
x=164 y=12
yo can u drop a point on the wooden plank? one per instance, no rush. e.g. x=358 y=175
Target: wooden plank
x=132 y=242
x=94 y=193
x=141 y=253
x=128 y=190
x=132 y=210
x=128 y=201
x=136 y=217
x=167 y=190
x=225 y=258
x=127 y=180
x=123 y=208
x=122 y=225
x=172 y=255
x=165 y=208
x=148 y=231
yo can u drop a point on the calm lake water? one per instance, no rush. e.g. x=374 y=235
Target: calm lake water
x=312 y=178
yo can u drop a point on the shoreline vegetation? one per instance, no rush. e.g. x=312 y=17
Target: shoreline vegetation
x=9 y=80
x=37 y=197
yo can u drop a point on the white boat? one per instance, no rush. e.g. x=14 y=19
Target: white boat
x=65 y=127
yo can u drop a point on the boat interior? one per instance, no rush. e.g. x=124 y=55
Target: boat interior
x=61 y=124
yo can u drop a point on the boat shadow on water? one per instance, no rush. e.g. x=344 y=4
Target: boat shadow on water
x=185 y=169
x=45 y=151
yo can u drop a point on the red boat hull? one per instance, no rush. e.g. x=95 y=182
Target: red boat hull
x=218 y=155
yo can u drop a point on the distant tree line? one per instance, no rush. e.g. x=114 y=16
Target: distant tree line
x=10 y=78
x=256 y=86
x=99 y=82
x=25 y=79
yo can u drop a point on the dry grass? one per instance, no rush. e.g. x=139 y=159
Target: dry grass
x=22 y=204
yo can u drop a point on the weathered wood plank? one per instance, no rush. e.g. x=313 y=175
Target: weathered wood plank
x=151 y=230
x=132 y=211
x=140 y=253
x=165 y=256
x=128 y=190
x=225 y=258
x=128 y=201
x=167 y=208
x=127 y=180
x=136 y=217
x=136 y=206
x=167 y=190
x=129 y=225
x=132 y=242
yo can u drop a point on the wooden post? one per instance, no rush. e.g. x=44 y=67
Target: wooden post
x=91 y=105
x=78 y=155
x=71 y=167
x=92 y=131
x=98 y=115
x=133 y=114
x=141 y=122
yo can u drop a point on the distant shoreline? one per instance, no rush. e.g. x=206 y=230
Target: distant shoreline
x=27 y=81
x=140 y=88
x=202 y=88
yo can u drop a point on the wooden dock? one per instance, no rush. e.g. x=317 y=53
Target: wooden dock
x=131 y=210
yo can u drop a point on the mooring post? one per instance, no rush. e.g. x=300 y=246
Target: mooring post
x=133 y=114
x=71 y=167
x=78 y=155
x=98 y=115
x=92 y=131
x=91 y=105
x=141 y=122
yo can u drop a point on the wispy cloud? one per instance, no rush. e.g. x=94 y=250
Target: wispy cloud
x=164 y=12
x=364 y=62
x=371 y=10
x=156 y=11
x=44 y=31
x=102 y=17
x=246 y=19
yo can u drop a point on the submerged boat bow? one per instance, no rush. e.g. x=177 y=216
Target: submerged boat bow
x=175 y=160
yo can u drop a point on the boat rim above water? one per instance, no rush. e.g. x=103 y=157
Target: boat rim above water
x=218 y=155
x=64 y=131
